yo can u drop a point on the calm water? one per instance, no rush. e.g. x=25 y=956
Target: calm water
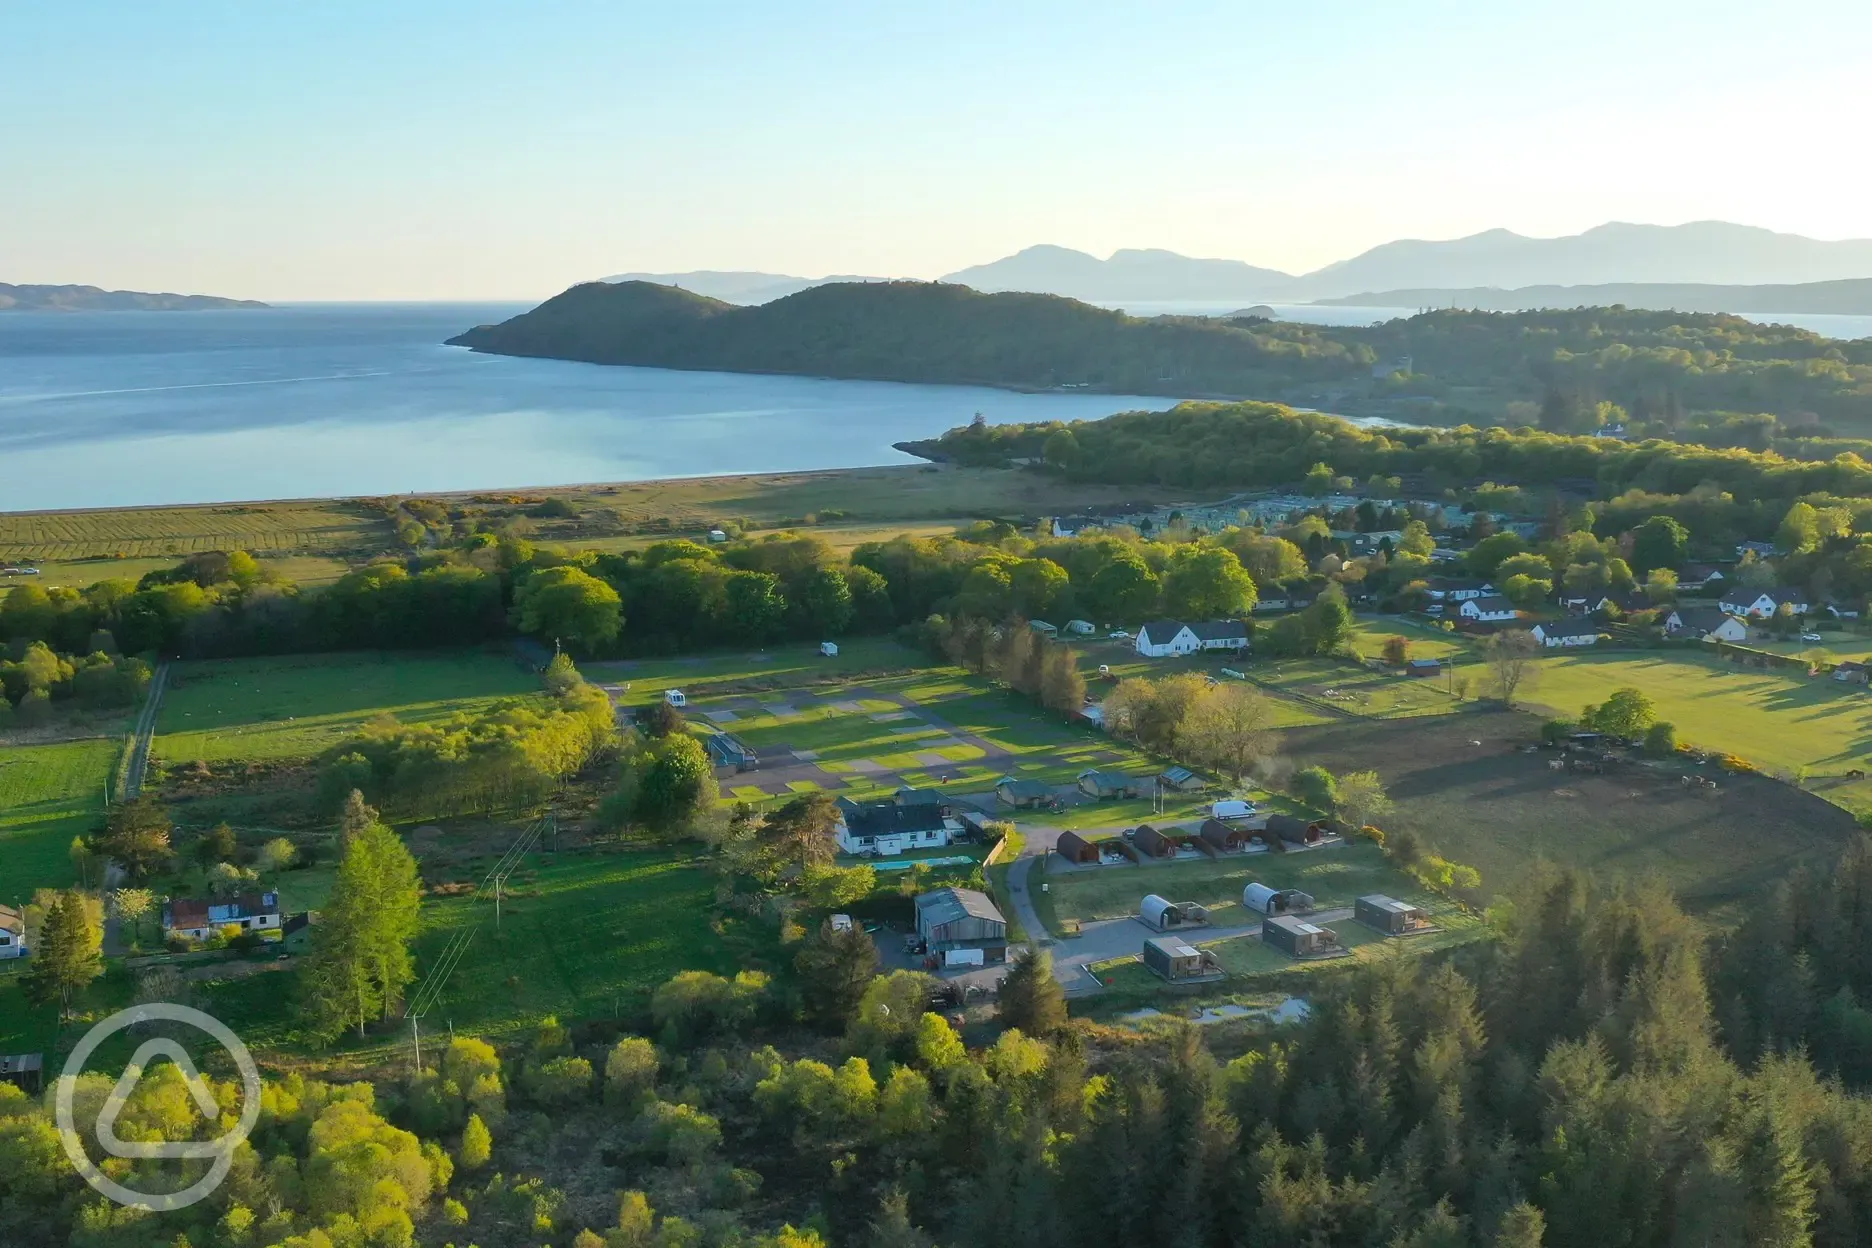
x=118 y=409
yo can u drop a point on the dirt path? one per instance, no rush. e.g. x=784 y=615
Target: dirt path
x=145 y=732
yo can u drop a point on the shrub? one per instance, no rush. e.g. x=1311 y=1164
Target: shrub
x=1554 y=731
x=1661 y=738
x=1316 y=787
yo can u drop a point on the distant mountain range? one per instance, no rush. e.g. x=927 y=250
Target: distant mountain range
x=1851 y=297
x=1700 y=254
x=95 y=299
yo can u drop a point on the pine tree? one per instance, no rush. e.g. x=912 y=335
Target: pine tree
x=1031 y=999
x=354 y=819
x=892 y=1228
x=360 y=961
x=1524 y=1227
x=67 y=957
x=477 y=1144
x=835 y=968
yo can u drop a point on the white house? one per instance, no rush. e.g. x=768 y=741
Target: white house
x=12 y=933
x=190 y=918
x=1700 y=576
x=1490 y=609
x=1161 y=639
x=1762 y=603
x=1557 y=633
x=886 y=829
x=1704 y=624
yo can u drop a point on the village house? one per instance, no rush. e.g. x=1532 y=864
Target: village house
x=186 y=918
x=1489 y=609
x=1555 y=634
x=1761 y=550
x=1762 y=603
x=886 y=829
x=1704 y=624
x=1106 y=785
x=1162 y=639
x=12 y=933
x=1700 y=576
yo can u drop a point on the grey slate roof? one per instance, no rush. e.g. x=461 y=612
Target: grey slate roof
x=947 y=905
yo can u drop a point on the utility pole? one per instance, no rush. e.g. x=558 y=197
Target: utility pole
x=416 y=1037
x=498 y=881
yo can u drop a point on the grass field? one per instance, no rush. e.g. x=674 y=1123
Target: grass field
x=1776 y=719
x=778 y=667
x=1462 y=786
x=261 y=709
x=1355 y=690
x=48 y=795
x=1368 y=638
x=151 y=532
x=1334 y=875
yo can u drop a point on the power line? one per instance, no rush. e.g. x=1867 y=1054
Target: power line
x=430 y=990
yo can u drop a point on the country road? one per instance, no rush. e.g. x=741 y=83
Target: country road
x=144 y=732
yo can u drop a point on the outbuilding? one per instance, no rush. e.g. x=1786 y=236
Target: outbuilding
x=1263 y=900
x=952 y=919
x=1021 y=794
x=1173 y=959
x=1180 y=778
x=1295 y=831
x=1224 y=837
x=1151 y=843
x=727 y=750
x=1389 y=915
x=1075 y=848
x=1107 y=785
x=1298 y=937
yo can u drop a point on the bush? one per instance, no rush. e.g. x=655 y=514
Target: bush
x=1554 y=731
x=1316 y=787
x=1661 y=739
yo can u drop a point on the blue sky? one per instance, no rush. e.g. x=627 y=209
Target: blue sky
x=374 y=150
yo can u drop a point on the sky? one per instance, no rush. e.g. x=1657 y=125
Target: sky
x=363 y=150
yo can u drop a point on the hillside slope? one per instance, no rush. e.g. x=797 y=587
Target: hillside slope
x=96 y=299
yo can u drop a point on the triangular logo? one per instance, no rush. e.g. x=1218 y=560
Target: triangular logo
x=133 y=1075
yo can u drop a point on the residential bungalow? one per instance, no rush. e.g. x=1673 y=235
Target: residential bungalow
x=1704 y=624
x=1622 y=604
x=1151 y=843
x=1423 y=667
x=1181 y=779
x=726 y=750
x=1700 y=576
x=1262 y=900
x=1161 y=639
x=1022 y=794
x=1106 y=785
x=1173 y=959
x=187 y=918
x=1389 y=915
x=958 y=919
x=1295 y=831
x=1557 y=633
x=1762 y=603
x=1458 y=589
x=1075 y=848
x=1224 y=838
x=1297 y=937
x=1761 y=550
x=888 y=829
x=1489 y=609
x=1851 y=672
x=12 y=933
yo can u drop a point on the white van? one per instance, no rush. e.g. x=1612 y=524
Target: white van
x=1232 y=808
x=675 y=697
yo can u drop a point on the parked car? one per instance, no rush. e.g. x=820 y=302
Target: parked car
x=1119 y=634
x=1811 y=637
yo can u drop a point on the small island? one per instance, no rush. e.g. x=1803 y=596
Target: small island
x=97 y=299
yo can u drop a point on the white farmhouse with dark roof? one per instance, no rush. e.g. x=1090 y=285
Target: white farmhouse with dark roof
x=1162 y=639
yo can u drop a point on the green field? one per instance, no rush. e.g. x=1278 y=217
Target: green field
x=1777 y=719
x=290 y=708
x=778 y=667
x=1355 y=690
x=1334 y=875
x=48 y=795
x=1368 y=638
x=320 y=527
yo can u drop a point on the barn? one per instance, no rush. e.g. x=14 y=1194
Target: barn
x=1223 y=837
x=1295 y=831
x=1263 y=900
x=1075 y=848
x=961 y=918
x=1173 y=959
x=1297 y=936
x=1151 y=843
x=1389 y=915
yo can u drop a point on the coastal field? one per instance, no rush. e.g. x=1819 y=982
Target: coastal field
x=295 y=707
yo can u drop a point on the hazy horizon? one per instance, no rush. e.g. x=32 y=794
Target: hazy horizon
x=468 y=152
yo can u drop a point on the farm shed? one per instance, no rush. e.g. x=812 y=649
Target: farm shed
x=1265 y=901
x=726 y=750
x=1021 y=794
x=25 y=1071
x=1181 y=779
x=1105 y=785
x=1423 y=667
x=1075 y=848
x=1295 y=831
x=1152 y=843
x=1173 y=959
x=1388 y=914
x=1226 y=837
x=961 y=918
x=1297 y=936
